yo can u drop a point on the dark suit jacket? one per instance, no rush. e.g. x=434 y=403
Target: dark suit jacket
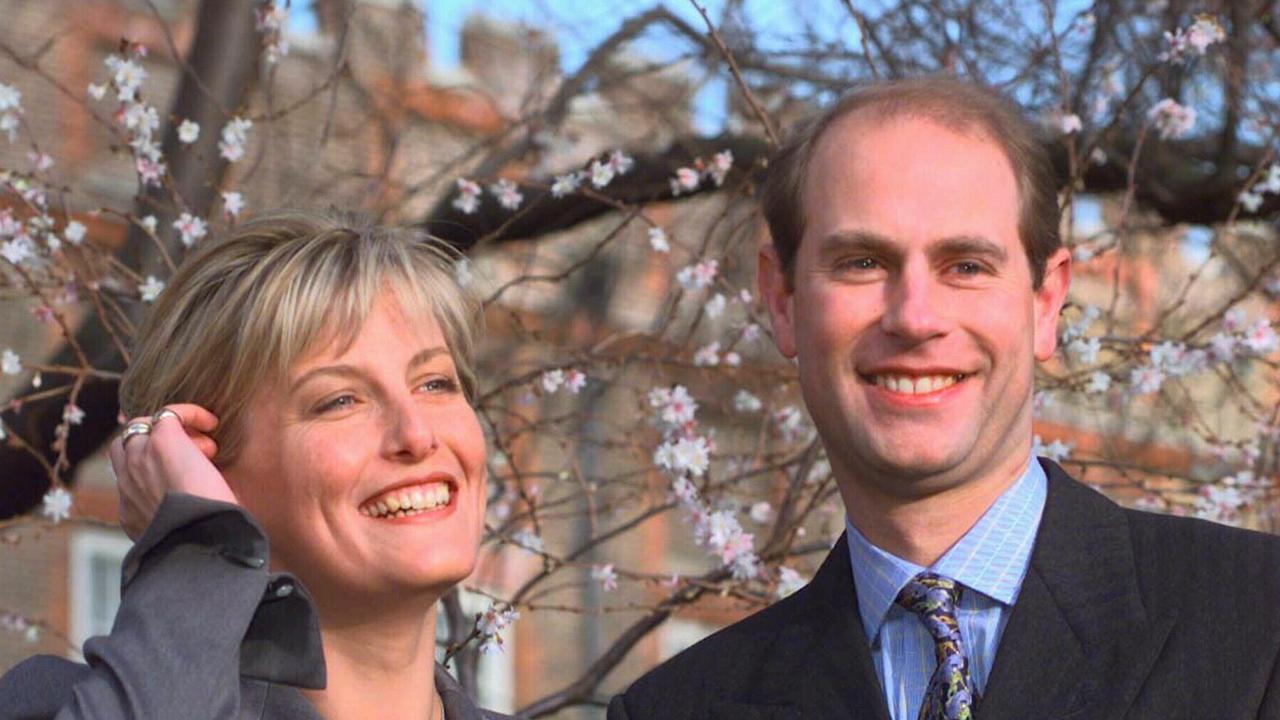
x=1122 y=614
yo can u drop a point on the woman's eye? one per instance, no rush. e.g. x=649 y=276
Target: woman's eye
x=440 y=385
x=338 y=403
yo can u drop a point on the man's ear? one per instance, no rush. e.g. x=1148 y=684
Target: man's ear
x=776 y=292
x=1048 y=302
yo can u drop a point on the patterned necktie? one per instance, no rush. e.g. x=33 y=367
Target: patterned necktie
x=950 y=695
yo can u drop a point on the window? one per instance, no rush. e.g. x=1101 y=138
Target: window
x=94 y=592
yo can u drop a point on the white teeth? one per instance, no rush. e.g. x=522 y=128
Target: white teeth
x=407 y=502
x=916 y=385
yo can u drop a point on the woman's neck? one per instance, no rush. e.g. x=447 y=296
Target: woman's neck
x=379 y=666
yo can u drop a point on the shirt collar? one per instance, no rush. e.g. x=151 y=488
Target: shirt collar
x=991 y=558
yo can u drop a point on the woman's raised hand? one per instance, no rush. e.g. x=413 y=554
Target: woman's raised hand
x=174 y=455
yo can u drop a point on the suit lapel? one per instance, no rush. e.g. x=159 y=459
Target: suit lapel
x=821 y=662
x=1079 y=639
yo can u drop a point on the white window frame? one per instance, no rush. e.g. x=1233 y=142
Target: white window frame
x=88 y=544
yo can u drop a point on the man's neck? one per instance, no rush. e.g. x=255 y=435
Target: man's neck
x=921 y=529
x=383 y=666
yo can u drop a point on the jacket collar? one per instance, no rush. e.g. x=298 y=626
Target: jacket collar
x=1079 y=638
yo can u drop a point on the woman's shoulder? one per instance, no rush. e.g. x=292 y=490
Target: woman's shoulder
x=38 y=687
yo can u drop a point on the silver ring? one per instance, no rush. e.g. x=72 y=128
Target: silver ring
x=140 y=427
x=164 y=413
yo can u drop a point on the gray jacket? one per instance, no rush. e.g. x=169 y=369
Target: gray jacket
x=204 y=630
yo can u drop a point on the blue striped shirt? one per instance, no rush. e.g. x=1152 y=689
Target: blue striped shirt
x=990 y=561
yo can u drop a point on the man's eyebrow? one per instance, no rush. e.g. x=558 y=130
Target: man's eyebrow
x=973 y=245
x=344 y=370
x=856 y=241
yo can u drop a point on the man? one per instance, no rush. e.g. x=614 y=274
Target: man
x=916 y=275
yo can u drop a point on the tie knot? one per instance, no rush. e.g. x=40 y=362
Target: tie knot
x=930 y=596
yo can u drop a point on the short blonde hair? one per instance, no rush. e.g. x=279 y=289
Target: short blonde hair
x=241 y=312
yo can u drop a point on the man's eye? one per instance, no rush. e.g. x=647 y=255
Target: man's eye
x=968 y=267
x=859 y=263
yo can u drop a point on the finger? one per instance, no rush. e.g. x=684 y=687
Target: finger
x=206 y=444
x=194 y=417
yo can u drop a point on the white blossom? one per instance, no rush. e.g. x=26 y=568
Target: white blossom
x=468 y=200
x=232 y=203
x=575 y=380
x=1249 y=200
x=10 y=98
x=675 y=405
x=699 y=275
x=142 y=119
x=601 y=173
x=57 y=505
x=684 y=455
x=790 y=421
x=1171 y=119
x=1070 y=123
x=507 y=193
x=150 y=289
x=716 y=305
x=1146 y=379
x=190 y=228
x=73 y=414
x=10 y=363
x=74 y=232
x=751 y=333
x=658 y=240
x=234 y=135
x=9 y=125
x=188 y=132
x=721 y=162
x=17 y=250
x=762 y=513
x=127 y=77
x=686 y=179
x=606 y=576
x=1261 y=338
x=1194 y=41
x=150 y=171
x=490 y=626
x=1056 y=450
x=527 y=540
x=1099 y=382
x=789 y=581
x=708 y=355
x=732 y=359
x=745 y=402
x=565 y=184
x=1085 y=349
x=1234 y=320
x=620 y=162
x=97 y=91
x=149 y=223
x=551 y=380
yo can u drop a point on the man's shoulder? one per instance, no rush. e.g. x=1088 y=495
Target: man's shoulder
x=722 y=666
x=1190 y=550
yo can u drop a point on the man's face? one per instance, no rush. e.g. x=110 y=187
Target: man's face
x=912 y=312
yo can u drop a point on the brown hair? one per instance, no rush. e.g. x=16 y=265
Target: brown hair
x=960 y=105
x=242 y=311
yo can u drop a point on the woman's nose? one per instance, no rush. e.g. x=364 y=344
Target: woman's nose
x=410 y=432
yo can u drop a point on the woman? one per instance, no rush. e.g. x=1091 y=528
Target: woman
x=313 y=382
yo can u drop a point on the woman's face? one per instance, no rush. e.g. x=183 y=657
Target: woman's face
x=366 y=466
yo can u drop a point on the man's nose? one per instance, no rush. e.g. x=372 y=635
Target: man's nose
x=912 y=306
x=410 y=433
